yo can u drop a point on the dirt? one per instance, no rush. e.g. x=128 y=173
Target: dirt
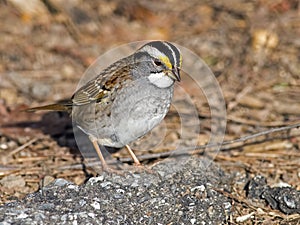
x=252 y=48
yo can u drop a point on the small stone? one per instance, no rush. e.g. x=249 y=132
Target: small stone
x=46 y=206
x=13 y=182
x=73 y=187
x=96 y=205
x=64 y=217
x=281 y=184
x=264 y=39
x=47 y=180
x=22 y=215
x=92 y=215
x=3 y=146
x=193 y=221
x=227 y=205
x=39 y=217
x=120 y=191
x=106 y=184
x=61 y=182
x=94 y=180
x=244 y=218
x=82 y=202
x=200 y=188
x=291 y=203
x=256 y=186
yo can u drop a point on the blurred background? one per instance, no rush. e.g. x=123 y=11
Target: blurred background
x=252 y=47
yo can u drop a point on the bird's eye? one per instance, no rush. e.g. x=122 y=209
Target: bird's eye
x=157 y=63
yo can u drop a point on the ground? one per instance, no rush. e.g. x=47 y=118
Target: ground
x=251 y=47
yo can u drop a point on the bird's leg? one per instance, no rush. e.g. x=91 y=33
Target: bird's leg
x=103 y=162
x=138 y=166
x=99 y=153
x=133 y=156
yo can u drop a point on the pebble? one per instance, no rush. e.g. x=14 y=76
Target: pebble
x=96 y=205
x=47 y=180
x=46 y=206
x=22 y=216
x=193 y=221
x=94 y=180
x=200 y=188
x=106 y=184
x=61 y=182
x=244 y=218
x=13 y=182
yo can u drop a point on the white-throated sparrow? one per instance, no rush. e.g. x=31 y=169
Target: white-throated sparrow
x=127 y=99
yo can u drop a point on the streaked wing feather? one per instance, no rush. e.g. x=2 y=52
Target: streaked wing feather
x=100 y=87
x=91 y=92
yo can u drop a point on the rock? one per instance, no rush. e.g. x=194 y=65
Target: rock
x=284 y=198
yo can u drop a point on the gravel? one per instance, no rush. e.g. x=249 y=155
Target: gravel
x=187 y=195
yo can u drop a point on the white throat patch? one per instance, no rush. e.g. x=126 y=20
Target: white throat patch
x=160 y=80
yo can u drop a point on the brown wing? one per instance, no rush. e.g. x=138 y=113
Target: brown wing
x=103 y=85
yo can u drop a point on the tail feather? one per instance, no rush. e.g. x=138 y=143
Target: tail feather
x=53 y=107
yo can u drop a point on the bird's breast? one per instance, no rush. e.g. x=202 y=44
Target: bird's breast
x=138 y=110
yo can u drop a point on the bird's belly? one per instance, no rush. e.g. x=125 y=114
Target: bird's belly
x=138 y=118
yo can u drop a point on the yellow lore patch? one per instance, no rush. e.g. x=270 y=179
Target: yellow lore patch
x=166 y=61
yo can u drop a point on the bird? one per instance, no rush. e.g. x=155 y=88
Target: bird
x=126 y=100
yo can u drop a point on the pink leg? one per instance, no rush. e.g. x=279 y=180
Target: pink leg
x=133 y=156
x=99 y=153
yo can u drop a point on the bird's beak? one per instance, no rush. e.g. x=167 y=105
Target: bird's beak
x=174 y=74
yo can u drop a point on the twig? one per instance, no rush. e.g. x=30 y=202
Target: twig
x=273 y=130
x=195 y=149
x=22 y=147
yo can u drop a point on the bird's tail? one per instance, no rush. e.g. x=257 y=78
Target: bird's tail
x=64 y=106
